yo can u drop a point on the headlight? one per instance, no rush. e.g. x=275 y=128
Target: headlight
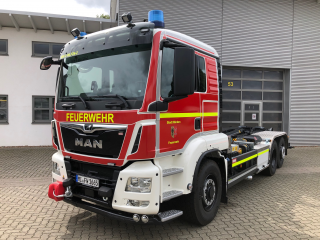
x=55 y=168
x=141 y=185
x=137 y=203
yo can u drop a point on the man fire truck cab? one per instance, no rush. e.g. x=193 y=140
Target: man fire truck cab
x=137 y=126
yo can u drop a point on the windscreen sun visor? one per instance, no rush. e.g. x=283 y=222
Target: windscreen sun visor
x=141 y=33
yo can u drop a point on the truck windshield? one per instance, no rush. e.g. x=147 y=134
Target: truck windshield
x=96 y=76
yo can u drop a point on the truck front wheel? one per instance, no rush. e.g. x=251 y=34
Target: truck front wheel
x=201 y=206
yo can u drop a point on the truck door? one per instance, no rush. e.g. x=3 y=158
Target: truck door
x=207 y=81
x=181 y=122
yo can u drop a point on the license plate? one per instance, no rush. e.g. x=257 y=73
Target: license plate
x=87 y=181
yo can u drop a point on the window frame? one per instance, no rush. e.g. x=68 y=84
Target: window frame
x=51 y=109
x=7 y=48
x=197 y=69
x=7 y=108
x=50 y=49
x=162 y=54
x=197 y=83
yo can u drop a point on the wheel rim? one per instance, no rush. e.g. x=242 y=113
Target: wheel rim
x=209 y=193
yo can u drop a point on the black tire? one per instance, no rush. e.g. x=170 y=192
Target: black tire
x=201 y=206
x=273 y=160
x=282 y=152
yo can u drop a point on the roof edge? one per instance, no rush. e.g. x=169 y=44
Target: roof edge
x=56 y=16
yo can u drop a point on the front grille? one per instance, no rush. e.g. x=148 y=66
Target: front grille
x=107 y=177
x=93 y=139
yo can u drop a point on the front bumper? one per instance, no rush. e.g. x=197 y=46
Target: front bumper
x=122 y=216
x=116 y=180
x=142 y=169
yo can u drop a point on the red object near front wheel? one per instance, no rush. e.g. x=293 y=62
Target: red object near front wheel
x=56 y=189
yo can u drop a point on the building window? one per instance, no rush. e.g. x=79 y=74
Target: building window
x=3 y=47
x=3 y=109
x=43 y=49
x=42 y=109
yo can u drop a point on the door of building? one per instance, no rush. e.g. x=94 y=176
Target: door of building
x=251 y=114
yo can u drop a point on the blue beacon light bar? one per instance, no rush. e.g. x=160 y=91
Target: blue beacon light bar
x=82 y=34
x=156 y=17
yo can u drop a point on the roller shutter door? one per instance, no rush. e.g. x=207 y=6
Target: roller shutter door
x=252 y=97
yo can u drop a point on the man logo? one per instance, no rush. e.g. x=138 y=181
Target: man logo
x=88 y=127
x=87 y=143
x=174 y=131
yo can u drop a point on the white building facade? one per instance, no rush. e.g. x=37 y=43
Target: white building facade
x=26 y=92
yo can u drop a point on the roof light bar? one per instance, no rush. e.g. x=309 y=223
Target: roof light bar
x=156 y=17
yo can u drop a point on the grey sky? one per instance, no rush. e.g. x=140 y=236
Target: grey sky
x=104 y=4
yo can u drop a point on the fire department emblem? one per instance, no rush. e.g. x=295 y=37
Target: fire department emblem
x=174 y=131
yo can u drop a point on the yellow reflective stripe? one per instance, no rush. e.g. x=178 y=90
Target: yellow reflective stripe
x=244 y=160
x=211 y=114
x=178 y=115
x=265 y=151
x=181 y=115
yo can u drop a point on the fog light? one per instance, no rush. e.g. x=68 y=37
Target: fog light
x=137 y=203
x=55 y=168
x=141 y=185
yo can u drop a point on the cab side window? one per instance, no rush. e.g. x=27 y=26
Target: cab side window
x=167 y=72
x=201 y=83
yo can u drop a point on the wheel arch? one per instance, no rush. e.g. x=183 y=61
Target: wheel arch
x=214 y=155
x=286 y=141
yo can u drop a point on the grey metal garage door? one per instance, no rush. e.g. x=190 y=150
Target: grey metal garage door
x=252 y=97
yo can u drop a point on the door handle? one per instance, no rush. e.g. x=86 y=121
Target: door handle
x=197 y=124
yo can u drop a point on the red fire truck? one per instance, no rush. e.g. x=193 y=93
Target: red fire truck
x=137 y=126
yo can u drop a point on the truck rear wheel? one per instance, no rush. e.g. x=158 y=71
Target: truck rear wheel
x=274 y=156
x=282 y=152
x=201 y=206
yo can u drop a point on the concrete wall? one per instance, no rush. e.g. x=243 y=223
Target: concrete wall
x=20 y=78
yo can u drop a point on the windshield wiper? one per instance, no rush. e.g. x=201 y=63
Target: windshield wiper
x=115 y=104
x=82 y=100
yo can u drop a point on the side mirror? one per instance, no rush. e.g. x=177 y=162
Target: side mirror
x=46 y=63
x=184 y=71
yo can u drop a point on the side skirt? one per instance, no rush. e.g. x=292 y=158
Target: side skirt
x=235 y=179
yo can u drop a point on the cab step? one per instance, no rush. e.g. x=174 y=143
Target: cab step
x=171 y=194
x=171 y=171
x=168 y=215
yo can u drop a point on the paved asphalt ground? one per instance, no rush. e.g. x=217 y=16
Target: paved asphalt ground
x=285 y=206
